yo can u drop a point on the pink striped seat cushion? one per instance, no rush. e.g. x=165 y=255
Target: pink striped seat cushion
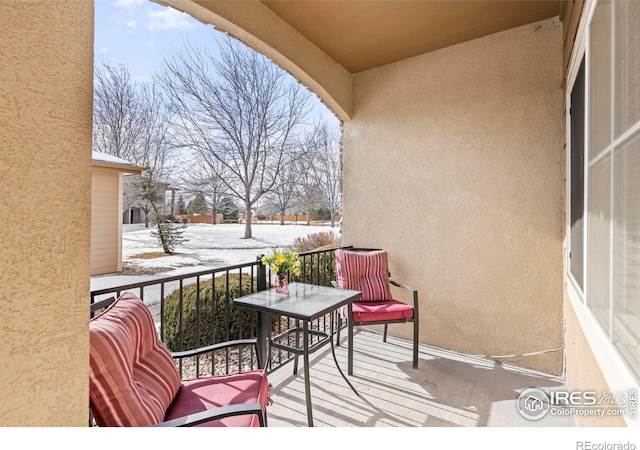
x=365 y=271
x=133 y=378
x=384 y=311
x=210 y=392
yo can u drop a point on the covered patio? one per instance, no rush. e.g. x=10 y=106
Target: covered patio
x=454 y=160
x=448 y=390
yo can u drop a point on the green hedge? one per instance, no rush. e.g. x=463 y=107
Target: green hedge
x=317 y=269
x=227 y=322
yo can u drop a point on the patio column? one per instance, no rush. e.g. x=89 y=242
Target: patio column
x=45 y=164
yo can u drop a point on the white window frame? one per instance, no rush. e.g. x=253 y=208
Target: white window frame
x=615 y=371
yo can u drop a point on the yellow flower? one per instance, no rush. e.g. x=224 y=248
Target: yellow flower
x=283 y=261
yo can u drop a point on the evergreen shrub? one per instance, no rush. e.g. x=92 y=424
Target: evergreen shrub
x=216 y=320
x=317 y=268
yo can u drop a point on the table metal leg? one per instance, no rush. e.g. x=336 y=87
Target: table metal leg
x=263 y=338
x=307 y=384
x=335 y=358
x=295 y=361
x=350 y=339
x=340 y=370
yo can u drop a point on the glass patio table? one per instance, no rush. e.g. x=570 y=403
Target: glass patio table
x=305 y=302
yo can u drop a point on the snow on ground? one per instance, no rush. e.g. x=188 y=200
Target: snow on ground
x=209 y=246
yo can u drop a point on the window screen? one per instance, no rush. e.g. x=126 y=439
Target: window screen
x=577 y=179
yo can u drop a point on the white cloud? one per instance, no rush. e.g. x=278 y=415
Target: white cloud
x=169 y=19
x=130 y=23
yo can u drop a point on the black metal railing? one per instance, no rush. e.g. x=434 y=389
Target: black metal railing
x=196 y=309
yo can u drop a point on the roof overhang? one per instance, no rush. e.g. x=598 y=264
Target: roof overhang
x=362 y=35
x=127 y=170
x=114 y=163
x=324 y=43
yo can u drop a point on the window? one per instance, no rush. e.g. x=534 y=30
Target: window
x=613 y=176
x=576 y=248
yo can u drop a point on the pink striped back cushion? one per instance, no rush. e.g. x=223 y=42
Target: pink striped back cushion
x=364 y=271
x=133 y=378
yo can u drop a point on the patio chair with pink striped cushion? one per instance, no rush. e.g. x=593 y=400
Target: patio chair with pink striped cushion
x=367 y=270
x=134 y=380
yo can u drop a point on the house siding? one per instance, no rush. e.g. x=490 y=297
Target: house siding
x=106 y=214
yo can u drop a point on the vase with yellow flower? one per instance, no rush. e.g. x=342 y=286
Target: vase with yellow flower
x=282 y=263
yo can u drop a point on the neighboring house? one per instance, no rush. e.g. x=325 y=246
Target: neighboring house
x=520 y=170
x=133 y=208
x=106 y=212
x=136 y=210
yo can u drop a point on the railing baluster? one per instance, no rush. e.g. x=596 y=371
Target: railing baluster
x=181 y=303
x=213 y=320
x=240 y=294
x=198 y=343
x=317 y=267
x=162 y=311
x=227 y=317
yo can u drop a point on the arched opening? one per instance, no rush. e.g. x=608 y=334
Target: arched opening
x=155 y=61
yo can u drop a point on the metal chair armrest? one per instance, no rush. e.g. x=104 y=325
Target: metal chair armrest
x=413 y=291
x=404 y=286
x=216 y=414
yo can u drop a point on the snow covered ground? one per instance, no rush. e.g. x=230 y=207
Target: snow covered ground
x=208 y=246
x=211 y=245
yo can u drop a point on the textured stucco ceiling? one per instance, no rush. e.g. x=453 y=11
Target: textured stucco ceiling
x=360 y=35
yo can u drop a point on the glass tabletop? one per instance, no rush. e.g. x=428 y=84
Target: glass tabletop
x=303 y=301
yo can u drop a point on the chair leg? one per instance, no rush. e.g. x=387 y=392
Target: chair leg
x=416 y=334
x=338 y=331
x=350 y=343
x=384 y=336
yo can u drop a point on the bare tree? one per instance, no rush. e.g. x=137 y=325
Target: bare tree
x=154 y=146
x=156 y=140
x=324 y=149
x=283 y=194
x=116 y=124
x=205 y=181
x=241 y=112
x=308 y=194
x=132 y=121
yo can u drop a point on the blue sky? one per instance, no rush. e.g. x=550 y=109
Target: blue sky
x=139 y=33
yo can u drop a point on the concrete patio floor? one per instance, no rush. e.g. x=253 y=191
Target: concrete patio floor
x=447 y=390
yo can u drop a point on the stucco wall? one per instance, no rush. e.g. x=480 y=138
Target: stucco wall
x=45 y=160
x=453 y=162
x=583 y=372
